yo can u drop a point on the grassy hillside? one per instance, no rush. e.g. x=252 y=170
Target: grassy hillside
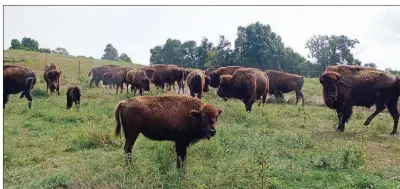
x=275 y=146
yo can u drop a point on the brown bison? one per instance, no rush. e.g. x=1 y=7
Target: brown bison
x=17 y=79
x=198 y=83
x=216 y=74
x=51 y=76
x=208 y=71
x=98 y=73
x=246 y=84
x=281 y=82
x=140 y=81
x=168 y=74
x=117 y=77
x=182 y=119
x=346 y=86
x=73 y=96
x=149 y=71
x=129 y=77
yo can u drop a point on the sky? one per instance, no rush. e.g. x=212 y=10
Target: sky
x=85 y=30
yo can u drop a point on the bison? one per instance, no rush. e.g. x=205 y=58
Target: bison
x=129 y=77
x=98 y=73
x=17 y=79
x=73 y=96
x=281 y=82
x=117 y=77
x=346 y=86
x=51 y=76
x=168 y=74
x=246 y=84
x=209 y=70
x=216 y=74
x=198 y=83
x=182 y=119
x=140 y=81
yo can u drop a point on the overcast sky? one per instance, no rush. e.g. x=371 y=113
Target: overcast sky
x=135 y=30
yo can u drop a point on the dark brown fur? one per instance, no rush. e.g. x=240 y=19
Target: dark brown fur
x=140 y=81
x=246 y=84
x=73 y=96
x=98 y=73
x=197 y=83
x=51 y=76
x=281 y=82
x=129 y=79
x=347 y=86
x=216 y=74
x=168 y=74
x=182 y=119
x=117 y=77
x=17 y=79
x=208 y=71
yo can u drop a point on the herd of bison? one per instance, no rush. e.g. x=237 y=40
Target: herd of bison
x=186 y=119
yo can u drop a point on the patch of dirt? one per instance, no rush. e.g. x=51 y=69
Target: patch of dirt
x=382 y=155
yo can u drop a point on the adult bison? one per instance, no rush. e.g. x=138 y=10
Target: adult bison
x=346 y=86
x=98 y=73
x=216 y=74
x=208 y=71
x=129 y=79
x=116 y=77
x=51 y=76
x=197 y=83
x=246 y=84
x=17 y=79
x=281 y=82
x=139 y=81
x=182 y=119
x=168 y=74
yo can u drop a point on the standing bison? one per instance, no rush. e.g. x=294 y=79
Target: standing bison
x=17 y=79
x=116 y=77
x=346 y=86
x=181 y=119
x=246 y=84
x=51 y=76
x=73 y=96
x=197 y=83
x=139 y=81
x=168 y=74
x=98 y=73
x=281 y=82
x=217 y=73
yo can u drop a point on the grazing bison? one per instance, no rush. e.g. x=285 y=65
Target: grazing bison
x=51 y=76
x=182 y=119
x=17 y=79
x=73 y=96
x=98 y=73
x=346 y=86
x=216 y=74
x=246 y=84
x=140 y=81
x=117 y=77
x=129 y=77
x=197 y=83
x=281 y=82
x=168 y=74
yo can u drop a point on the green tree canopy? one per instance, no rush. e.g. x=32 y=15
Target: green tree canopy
x=15 y=44
x=370 y=65
x=30 y=44
x=60 y=50
x=125 y=57
x=110 y=53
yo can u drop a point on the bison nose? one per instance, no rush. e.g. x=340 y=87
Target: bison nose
x=333 y=97
x=213 y=132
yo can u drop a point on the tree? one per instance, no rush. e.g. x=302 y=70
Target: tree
x=370 y=65
x=224 y=54
x=189 y=50
x=30 y=44
x=202 y=52
x=15 y=44
x=60 y=50
x=156 y=55
x=110 y=53
x=331 y=50
x=44 y=50
x=125 y=57
x=172 y=53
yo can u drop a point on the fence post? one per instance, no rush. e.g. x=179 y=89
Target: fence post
x=79 y=69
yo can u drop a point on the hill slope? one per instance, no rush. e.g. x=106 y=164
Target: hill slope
x=275 y=146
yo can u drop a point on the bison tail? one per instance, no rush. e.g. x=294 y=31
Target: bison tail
x=90 y=72
x=117 y=119
x=29 y=82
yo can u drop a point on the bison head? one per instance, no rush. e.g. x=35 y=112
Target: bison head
x=146 y=83
x=214 y=79
x=206 y=87
x=52 y=79
x=207 y=118
x=107 y=78
x=224 y=87
x=330 y=82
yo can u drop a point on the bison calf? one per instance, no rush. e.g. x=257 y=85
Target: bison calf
x=197 y=83
x=73 y=96
x=246 y=84
x=182 y=119
x=346 y=86
x=17 y=79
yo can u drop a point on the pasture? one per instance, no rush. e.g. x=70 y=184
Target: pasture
x=277 y=145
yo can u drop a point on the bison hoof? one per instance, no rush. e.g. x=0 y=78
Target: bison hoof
x=340 y=129
x=393 y=133
x=367 y=122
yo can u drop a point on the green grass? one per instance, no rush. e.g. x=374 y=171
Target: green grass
x=275 y=146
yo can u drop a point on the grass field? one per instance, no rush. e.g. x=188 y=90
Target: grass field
x=277 y=145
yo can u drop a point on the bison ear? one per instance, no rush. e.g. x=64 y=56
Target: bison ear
x=220 y=111
x=321 y=80
x=195 y=113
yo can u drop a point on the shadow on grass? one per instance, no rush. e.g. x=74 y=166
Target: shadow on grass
x=39 y=93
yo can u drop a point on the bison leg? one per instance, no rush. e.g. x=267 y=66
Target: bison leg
x=22 y=95
x=141 y=92
x=264 y=98
x=248 y=104
x=97 y=83
x=134 y=91
x=122 y=88
x=69 y=102
x=343 y=116
x=29 y=97
x=394 y=112
x=129 y=142
x=379 y=108
x=192 y=94
x=299 y=95
x=47 y=89
x=181 y=154
x=5 y=100
x=91 y=83
x=58 y=89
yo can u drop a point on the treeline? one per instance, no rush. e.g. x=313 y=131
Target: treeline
x=29 y=44
x=258 y=46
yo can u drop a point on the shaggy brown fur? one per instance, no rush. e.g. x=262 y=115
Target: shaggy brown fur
x=140 y=81
x=168 y=74
x=129 y=79
x=216 y=74
x=51 y=76
x=347 y=86
x=208 y=71
x=17 y=79
x=117 y=77
x=197 y=83
x=149 y=71
x=281 y=82
x=98 y=73
x=182 y=119
x=247 y=84
x=73 y=96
